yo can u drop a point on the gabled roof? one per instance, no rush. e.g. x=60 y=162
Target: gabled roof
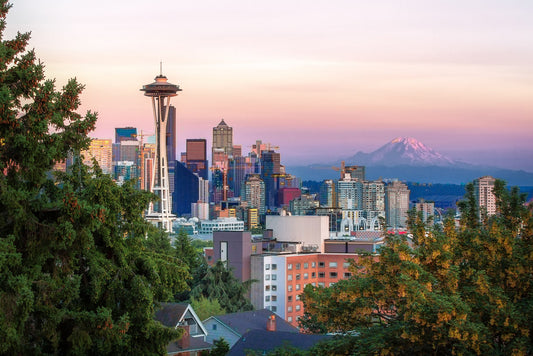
x=262 y=340
x=171 y=314
x=252 y=320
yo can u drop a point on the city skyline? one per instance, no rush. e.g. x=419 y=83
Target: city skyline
x=317 y=80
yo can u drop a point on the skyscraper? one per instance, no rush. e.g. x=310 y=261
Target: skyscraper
x=485 y=198
x=328 y=195
x=396 y=204
x=349 y=194
x=222 y=140
x=101 y=151
x=196 y=153
x=186 y=190
x=253 y=193
x=270 y=171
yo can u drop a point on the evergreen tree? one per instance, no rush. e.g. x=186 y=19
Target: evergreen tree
x=76 y=273
x=441 y=291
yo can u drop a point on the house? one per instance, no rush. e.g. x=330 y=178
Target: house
x=181 y=315
x=263 y=341
x=233 y=326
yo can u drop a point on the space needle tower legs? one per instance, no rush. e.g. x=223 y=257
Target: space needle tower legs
x=159 y=213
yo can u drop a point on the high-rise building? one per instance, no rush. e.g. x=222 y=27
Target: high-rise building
x=125 y=134
x=222 y=139
x=270 y=172
x=396 y=204
x=253 y=193
x=196 y=156
x=186 y=190
x=355 y=172
x=484 y=194
x=101 y=151
x=349 y=194
x=427 y=209
x=328 y=195
x=374 y=196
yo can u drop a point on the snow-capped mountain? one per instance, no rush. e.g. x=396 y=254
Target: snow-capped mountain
x=402 y=151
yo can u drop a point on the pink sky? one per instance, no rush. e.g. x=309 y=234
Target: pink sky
x=320 y=79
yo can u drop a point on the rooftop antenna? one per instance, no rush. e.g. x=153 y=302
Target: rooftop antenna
x=161 y=67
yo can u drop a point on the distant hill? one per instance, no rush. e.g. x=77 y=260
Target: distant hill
x=409 y=160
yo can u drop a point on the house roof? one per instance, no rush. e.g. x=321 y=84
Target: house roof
x=195 y=344
x=253 y=320
x=262 y=340
x=171 y=314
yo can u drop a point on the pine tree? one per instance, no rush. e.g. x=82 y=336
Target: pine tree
x=76 y=273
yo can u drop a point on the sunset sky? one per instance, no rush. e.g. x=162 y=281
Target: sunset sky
x=320 y=79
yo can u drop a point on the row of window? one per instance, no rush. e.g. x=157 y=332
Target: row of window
x=271 y=287
x=274 y=267
x=298 y=287
x=320 y=275
x=320 y=264
x=270 y=276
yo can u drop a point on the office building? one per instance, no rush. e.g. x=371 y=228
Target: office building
x=427 y=209
x=125 y=134
x=196 y=156
x=328 y=194
x=186 y=190
x=396 y=205
x=222 y=140
x=253 y=193
x=270 y=172
x=484 y=194
x=373 y=196
x=349 y=194
x=101 y=151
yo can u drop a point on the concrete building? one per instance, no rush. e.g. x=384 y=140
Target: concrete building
x=485 y=198
x=100 y=150
x=235 y=249
x=305 y=204
x=349 y=194
x=253 y=193
x=220 y=224
x=222 y=140
x=396 y=205
x=427 y=209
x=309 y=232
x=328 y=194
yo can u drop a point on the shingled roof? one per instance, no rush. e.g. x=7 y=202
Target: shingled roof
x=253 y=320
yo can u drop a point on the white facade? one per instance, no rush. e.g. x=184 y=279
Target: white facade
x=311 y=231
x=221 y=224
x=200 y=211
x=269 y=292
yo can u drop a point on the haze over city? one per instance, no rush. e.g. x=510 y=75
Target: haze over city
x=321 y=80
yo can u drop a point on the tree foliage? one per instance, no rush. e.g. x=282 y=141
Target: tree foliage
x=443 y=290
x=206 y=307
x=219 y=283
x=77 y=275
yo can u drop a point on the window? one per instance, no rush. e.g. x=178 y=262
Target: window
x=346 y=264
x=289 y=298
x=214 y=326
x=313 y=274
x=321 y=284
x=289 y=277
x=297 y=287
x=298 y=276
x=321 y=264
x=289 y=319
x=267 y=267
x=267 y=288
x=332 y=283
x=298 y=297
x=267 y=277
x=332 y=274
x=289 y=288
x=274 y=266
x=313 y=264
x=274 y=288
x=267 y=298
x=347 y=274
x=289 y=266
x=306 y=275
x=321 y=275
x=274 y=298
x=313 y=284
x=333 y=264
x=274 y=308
x=289 y=309
x=274 y=277
x=306 y=265
x=297 y=266
x=298 y=307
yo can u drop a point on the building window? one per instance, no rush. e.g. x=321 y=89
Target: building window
x=298 y=307
x=289 y=309
x=274 y=288
x=321 y=264
x=274 y=308
x=321 y=275
x=267 y=288
x=297 y=266
x=347 y=274
x=332 y=283
x=346 y=264
x=306 y=275
x=267 y=298
x=274 y=298
x=306 y=265
x=214 y=326
x=313 y=264
x=297 y=287
x=274 y=277
x=333 y=264
x=289 y=277
x=313 y=274
x=332 y=274
x=267 y=267
x=274 y=266
x=289 y=288
x=267 y=277
x=321 y=284
x=297 y=297
x=289 y=298
x=313 y=284
x=289 y=319
x=297 y=276
x=289 y=266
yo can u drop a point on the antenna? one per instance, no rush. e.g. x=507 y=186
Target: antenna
x=161 y=67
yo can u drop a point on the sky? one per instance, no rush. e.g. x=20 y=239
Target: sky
x=320 y=79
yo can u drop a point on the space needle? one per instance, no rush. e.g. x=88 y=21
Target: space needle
x=159 y=212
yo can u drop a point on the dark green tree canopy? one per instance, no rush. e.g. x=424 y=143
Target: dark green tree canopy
x=77 y=275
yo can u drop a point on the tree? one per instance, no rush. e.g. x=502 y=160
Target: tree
x=205 y=307
x=76 y=273
x=220 y=348
x=440 y=291
x=219 y=283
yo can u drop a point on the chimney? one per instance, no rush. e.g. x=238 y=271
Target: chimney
x=185 y=341
x=271 y=323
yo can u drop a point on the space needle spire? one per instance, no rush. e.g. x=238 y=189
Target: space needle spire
x=159 y=212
